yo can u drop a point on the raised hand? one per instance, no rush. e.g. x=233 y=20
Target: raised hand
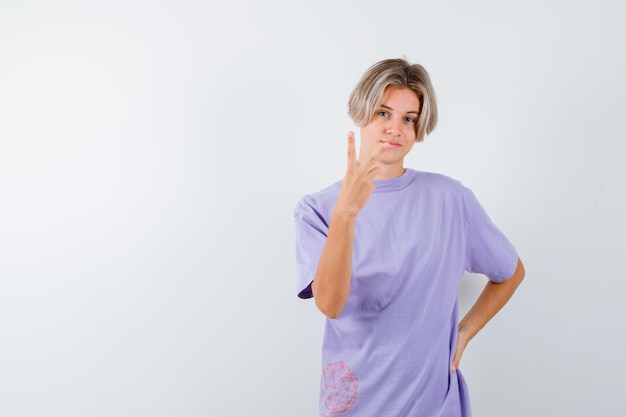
x=357 y=185
x=331 y=286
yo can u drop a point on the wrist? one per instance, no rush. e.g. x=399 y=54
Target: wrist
x=344 y=215
x=467 y=330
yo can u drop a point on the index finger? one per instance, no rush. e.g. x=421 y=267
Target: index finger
x=351 y=150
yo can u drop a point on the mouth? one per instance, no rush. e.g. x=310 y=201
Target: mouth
x=390 y=145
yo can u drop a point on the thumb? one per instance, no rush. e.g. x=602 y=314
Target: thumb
x=456 y=360
x=455 y=363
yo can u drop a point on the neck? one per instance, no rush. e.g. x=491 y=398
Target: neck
x=389 y=172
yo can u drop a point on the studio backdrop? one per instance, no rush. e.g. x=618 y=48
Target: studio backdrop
x=152 y=153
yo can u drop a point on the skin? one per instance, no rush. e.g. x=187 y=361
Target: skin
x=393 y=126
x=385 y=141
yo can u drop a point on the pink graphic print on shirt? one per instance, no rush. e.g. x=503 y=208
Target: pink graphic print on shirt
x=339 y=387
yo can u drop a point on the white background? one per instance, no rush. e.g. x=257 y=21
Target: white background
x=151 y=155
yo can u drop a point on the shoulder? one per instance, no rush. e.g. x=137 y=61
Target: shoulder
x=440 y=183
x=445 y=193
x=320 y=201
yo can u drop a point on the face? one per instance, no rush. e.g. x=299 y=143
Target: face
x=392 y=126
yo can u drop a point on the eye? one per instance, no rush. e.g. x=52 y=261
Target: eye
x=383 y=113
x=409 y=119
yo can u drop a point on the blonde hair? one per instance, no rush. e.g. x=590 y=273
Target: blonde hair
x=368 y=93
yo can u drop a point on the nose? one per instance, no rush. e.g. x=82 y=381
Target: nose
x=394 y=126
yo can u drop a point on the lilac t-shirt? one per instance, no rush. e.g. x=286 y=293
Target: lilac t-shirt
x=389 y=351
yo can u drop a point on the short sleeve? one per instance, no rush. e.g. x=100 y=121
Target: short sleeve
x=488 y=251
x=311 y=232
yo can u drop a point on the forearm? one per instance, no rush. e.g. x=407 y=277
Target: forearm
x=490 y=301
x=331 y=285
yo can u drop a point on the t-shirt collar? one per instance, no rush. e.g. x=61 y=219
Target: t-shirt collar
x=396 y=183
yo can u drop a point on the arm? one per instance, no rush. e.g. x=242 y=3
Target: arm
x=331 y=285
x=490 y=301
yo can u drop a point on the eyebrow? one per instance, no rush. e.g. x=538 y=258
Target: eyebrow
x=389 y=108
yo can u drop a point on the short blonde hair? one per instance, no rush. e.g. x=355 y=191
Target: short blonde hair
x=368 y=93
